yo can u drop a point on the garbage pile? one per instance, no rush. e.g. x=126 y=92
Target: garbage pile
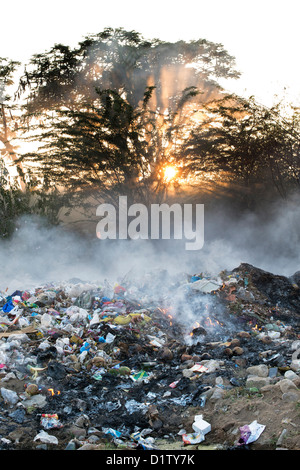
x=148 y=363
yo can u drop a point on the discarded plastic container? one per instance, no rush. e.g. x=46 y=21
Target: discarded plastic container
x=85 y=347
x=200 y=425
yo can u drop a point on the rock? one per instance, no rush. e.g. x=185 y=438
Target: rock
x=166 y=355
x=217 y=394
x=290 y=374
x=71 y=446
x=32 y=389
x=244 y=334
x=237 y=351
x=219 y=381
x=82 y=421
x=295 y=365
x=287 y=385
x=281 y=437
x=205 y=357
x=257 y=382
x=228 y=352
x=267 y=388
x=186 y=357
x=198 y=358
x=296 y=381
x=261 y=370
x=187 y=364
x=265 y=339
x=240 y=361
x=77 y=432
x=291 y=396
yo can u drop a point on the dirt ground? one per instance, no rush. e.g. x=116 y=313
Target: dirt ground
x=268 y=409
x=281 y=420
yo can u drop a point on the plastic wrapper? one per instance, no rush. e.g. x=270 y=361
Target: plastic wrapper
x=192 y=438
x=250 y=432
x=50 y=421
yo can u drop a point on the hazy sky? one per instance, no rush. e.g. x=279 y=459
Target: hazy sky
x=263 y=35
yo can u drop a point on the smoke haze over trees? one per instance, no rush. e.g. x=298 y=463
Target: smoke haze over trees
x=107 y=117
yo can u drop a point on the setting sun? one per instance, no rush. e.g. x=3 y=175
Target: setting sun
x=170 y=173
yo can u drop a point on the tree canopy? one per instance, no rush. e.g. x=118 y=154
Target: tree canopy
x=107 y=117
x=110 y=113
x=127 y=63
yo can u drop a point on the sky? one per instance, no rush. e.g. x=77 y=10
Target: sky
x=263 y=35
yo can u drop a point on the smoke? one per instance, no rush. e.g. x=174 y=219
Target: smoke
x=167 y=67
x=38 y=253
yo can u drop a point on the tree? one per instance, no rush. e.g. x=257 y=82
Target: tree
x=11 y=170
x=107 y=149
x=125 y=62
x=248 y=144
x=284 y=158
x=103 y=115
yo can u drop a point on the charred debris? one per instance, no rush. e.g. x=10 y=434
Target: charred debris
x=128 y=365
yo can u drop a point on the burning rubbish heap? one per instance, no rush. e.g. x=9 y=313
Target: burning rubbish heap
x=150 y=362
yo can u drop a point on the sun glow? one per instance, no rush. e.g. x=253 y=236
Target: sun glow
x=169 y=173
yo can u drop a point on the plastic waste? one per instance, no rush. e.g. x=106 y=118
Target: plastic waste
x=8 y=306
x=200 y=425
x=205 y=285
x=109 y=338
x=86 y=347
x=9 y=396
x=112 y=432
x=43 y=436
x=49 y=421
x=195 y=278
x=250 y=432
x=192 y=438
x=139 y=376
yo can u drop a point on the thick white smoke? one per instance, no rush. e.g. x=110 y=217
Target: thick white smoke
x=37 y=253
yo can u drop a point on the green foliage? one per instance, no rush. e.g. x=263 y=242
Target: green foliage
x=15 y=203
x=109 y=148
x=108 y=114
x=251 y=145
x=122 y=61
